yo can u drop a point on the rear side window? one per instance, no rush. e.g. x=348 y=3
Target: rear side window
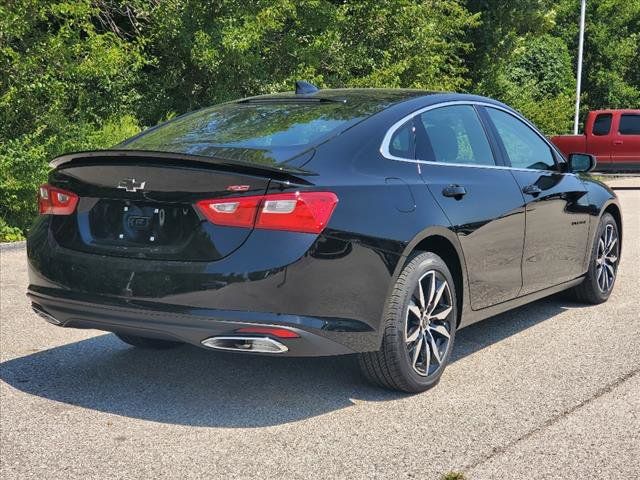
x=629 y=124
x=602 y=124
x=454 y=135
x=524 y=147
x=402 y=141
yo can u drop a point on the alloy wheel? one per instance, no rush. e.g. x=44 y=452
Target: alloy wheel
x=607 y=258
x=428 y=324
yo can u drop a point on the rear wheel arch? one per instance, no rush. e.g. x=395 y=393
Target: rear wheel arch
x=444 y=243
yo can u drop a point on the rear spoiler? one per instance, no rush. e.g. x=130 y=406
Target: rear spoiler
x=282 y=172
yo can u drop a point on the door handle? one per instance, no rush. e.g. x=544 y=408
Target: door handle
x=617 y=142
x=533 y=190
x=455 y=191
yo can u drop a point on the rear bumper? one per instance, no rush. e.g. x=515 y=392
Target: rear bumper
x=314 y=333
x=333 y=290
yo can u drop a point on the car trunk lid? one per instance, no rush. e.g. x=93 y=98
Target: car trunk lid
x=142 y=204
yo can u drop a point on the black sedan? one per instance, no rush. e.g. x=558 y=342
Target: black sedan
x=322 y=222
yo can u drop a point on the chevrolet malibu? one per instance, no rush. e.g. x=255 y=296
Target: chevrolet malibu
x=322 y=222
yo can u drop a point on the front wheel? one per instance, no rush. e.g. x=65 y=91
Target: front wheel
x=419 y=327
x=603 y=264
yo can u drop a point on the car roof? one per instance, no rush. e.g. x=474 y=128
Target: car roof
x=615 y=110
x=383 y=95
x=399 y=99
x=381 y=105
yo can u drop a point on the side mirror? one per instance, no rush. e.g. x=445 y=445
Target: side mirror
x=581 y=162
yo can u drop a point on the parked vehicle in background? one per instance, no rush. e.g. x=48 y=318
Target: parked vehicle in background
x=613 y=136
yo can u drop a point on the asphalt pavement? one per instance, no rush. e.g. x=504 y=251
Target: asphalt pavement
x=550 y=390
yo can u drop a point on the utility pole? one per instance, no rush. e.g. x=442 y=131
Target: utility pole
x=583 y=8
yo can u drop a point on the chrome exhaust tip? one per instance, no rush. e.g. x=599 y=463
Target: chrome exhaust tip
x=48 y=317
x=245 y=344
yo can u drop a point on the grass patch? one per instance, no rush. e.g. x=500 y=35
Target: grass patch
x=453 y=476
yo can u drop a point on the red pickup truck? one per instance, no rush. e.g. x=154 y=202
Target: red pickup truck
x=613 y=136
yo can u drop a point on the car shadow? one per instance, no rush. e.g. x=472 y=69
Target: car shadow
x=196 y=387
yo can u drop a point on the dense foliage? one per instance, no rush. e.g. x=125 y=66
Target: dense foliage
x=81 y=74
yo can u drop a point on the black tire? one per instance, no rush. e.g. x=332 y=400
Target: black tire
x=394 y=365
x=591 y=289
x=147 y=343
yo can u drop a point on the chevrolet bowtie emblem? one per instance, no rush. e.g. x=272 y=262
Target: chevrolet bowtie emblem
x=130 y=185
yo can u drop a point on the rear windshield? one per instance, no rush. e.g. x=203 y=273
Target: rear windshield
x=256 y=132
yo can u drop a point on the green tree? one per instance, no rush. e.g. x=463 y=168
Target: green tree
x=537 y=79
x=205 y=52
x=519 y=37
x=518 y=61
x=80 y=74
x=84 y=74
x=66 y=83
x=611 y=77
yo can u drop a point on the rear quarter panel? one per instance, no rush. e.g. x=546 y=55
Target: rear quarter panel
x=384 y=205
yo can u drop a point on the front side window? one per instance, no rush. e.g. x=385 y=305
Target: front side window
x=454 y=134
x=524 y=147
x=602 y=125
x=629 y=124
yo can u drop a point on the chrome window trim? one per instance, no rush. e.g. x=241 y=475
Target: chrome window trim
x=384 y=147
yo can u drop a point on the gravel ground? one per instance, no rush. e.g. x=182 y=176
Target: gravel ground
x=550 y=390
x=624 y=182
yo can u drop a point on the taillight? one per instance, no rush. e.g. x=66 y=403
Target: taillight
x=55 y=201
x=306 y=212
x=297 y=212
x=231 y=212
